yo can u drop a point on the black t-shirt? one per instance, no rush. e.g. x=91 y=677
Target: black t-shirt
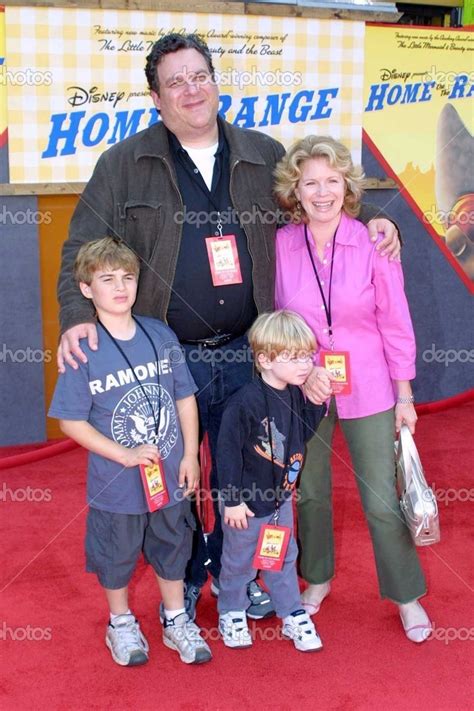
x=244 y=462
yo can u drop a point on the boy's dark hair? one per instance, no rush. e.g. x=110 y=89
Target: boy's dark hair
x=173 y=42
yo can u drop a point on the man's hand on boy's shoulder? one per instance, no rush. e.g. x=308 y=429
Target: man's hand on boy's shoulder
x=236 y=516
x=69 y=350
x=189 y=474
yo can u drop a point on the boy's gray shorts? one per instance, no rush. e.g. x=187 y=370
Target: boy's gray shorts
x=114 y=542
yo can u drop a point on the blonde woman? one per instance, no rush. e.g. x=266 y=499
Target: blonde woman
x=330 y=273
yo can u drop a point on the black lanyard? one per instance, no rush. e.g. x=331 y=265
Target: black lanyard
x=277 y=477
x=326 y=304
x=125 y=357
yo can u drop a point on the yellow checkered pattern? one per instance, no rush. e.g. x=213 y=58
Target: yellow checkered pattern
x=3 y=88
x=272 y=68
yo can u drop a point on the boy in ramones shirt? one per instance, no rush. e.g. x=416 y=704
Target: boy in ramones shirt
x=259 y=456
x=130 y=404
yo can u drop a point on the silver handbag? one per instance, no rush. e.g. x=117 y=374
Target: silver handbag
x=417 y=500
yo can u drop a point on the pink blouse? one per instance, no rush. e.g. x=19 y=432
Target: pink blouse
x=370 y=315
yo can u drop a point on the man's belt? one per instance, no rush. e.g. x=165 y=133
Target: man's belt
x=213 y=342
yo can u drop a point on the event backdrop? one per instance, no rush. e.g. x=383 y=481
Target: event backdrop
x=284 y=76
x=76 y=85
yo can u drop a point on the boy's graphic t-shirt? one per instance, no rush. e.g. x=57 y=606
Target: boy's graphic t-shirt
x=105 y=393
x=260 y=449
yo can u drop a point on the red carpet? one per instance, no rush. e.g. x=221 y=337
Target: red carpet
x=53 y=614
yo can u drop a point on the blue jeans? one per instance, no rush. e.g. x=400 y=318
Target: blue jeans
x=218 y=374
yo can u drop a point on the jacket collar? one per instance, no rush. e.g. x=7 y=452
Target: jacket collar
x=240 y=144
x=154 y=142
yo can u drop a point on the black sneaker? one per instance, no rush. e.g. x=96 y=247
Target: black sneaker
x=261 y=605
x=191 y=596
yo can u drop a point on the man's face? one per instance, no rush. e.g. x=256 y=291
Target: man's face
x=188 y=98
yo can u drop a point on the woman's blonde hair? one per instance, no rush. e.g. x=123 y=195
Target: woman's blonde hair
x=273 y=333
x=104 y=253
x=288 y=172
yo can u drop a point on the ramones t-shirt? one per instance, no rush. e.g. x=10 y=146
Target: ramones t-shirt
x=105 y=393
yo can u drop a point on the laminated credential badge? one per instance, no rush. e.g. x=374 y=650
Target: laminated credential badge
x=271 y=547
x=154 y=484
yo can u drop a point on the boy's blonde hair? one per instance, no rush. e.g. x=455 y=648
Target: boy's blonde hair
x=273 y=333
x=104 y=253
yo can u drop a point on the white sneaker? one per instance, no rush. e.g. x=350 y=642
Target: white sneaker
x=299 y=627
x=234 y=630
x=184 y=637
x=126 y=641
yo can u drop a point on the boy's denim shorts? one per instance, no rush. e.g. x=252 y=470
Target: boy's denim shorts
x=114 y=542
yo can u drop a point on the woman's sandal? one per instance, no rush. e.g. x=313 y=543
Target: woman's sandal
x=310 y=608
x=413 y=633
x=313 y=608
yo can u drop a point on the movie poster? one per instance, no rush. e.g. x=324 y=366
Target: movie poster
x=419 y=121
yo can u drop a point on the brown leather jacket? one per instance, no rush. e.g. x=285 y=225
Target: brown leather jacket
x=133 y=194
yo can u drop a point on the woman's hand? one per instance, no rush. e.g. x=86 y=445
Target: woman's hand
x=405 y=415
x=317 y=387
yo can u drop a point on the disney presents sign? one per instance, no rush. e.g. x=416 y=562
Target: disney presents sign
x=285 y=76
